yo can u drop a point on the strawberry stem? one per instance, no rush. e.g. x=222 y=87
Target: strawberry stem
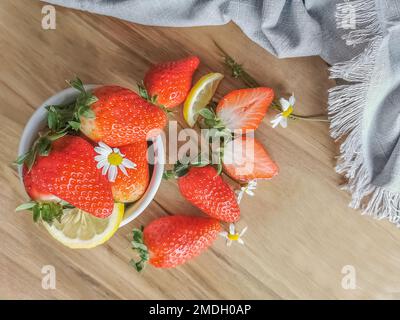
x=139 y=246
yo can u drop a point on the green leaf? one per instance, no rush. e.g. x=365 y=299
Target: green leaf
x=88 y=113
x=75 y=125
x=144 y=255
x=138 y=235
x=139 y=246
x=207 y=114
x=26 y=206
x=30 y=160
x=57 y=136
x=77 y=84
x=142 y=91
x=21 y=159
x=52 y=119
x=36 y=213
x=44 y=146
x=168 y=174
x=90 y=100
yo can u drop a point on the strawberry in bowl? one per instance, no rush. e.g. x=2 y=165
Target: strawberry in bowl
x=79 y=192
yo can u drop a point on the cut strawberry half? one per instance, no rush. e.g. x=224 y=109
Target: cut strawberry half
x=244 y=108
x=246 y=159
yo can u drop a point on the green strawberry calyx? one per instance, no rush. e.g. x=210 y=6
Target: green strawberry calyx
x=45 y=211
x=180 y=169
x=61 y=120
x=142 y=250
x=151 y=99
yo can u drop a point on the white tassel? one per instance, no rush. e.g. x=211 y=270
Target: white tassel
x=346 y=107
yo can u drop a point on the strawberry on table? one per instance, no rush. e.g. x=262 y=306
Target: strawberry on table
x=205 y=188
x=171 y=241
x=69 y=173
x=244 y=109
x=245 y=159
x=170 y=81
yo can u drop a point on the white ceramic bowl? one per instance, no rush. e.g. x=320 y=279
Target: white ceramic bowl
x=38 y=121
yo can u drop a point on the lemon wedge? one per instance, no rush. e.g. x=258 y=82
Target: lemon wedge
x=81 y=230
x=200 y=95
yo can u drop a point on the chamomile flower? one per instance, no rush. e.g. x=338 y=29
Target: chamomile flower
x=233 y=235
x=287 y=109
x=248 y=189
x=110 y=160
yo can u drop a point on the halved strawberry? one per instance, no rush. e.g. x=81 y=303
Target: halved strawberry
x=130 y=187
x=246 y=159
x=171 y=81
x=244 y=108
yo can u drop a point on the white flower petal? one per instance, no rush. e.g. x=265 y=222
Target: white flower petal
x=223 y=234
x=284 y=122
x=128 y=164
x=240 y=241
x=104 y=146
x=292 y=100
x=229 y=242
x=102 y=151
x=101 y=164
x=112 y=173
x=122 y=168
x=239 y=195
x=100 y=157
x=105 y=168
x=243 y=231
x=116 y=150
x=231 y=228
x=249 y=192
x=276 y=121
x=284 y=104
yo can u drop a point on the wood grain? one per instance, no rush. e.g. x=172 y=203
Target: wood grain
x=301 y=232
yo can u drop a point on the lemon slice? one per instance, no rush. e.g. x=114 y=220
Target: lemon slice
x=81 y=230
x=200 y=95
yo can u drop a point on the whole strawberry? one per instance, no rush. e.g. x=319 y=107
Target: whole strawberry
x=170 y=81
x=205 y=188
x=120 y=117
x=130 y=187
x=171 y=241
x=69 y=173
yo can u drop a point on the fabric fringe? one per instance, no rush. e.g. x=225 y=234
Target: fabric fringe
x=346 y=105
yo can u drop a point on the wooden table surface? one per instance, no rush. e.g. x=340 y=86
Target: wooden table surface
x=300 y=231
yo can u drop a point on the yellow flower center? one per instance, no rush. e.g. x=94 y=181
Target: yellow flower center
x=287 y=112
x=233 y=237
x=114 y=159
